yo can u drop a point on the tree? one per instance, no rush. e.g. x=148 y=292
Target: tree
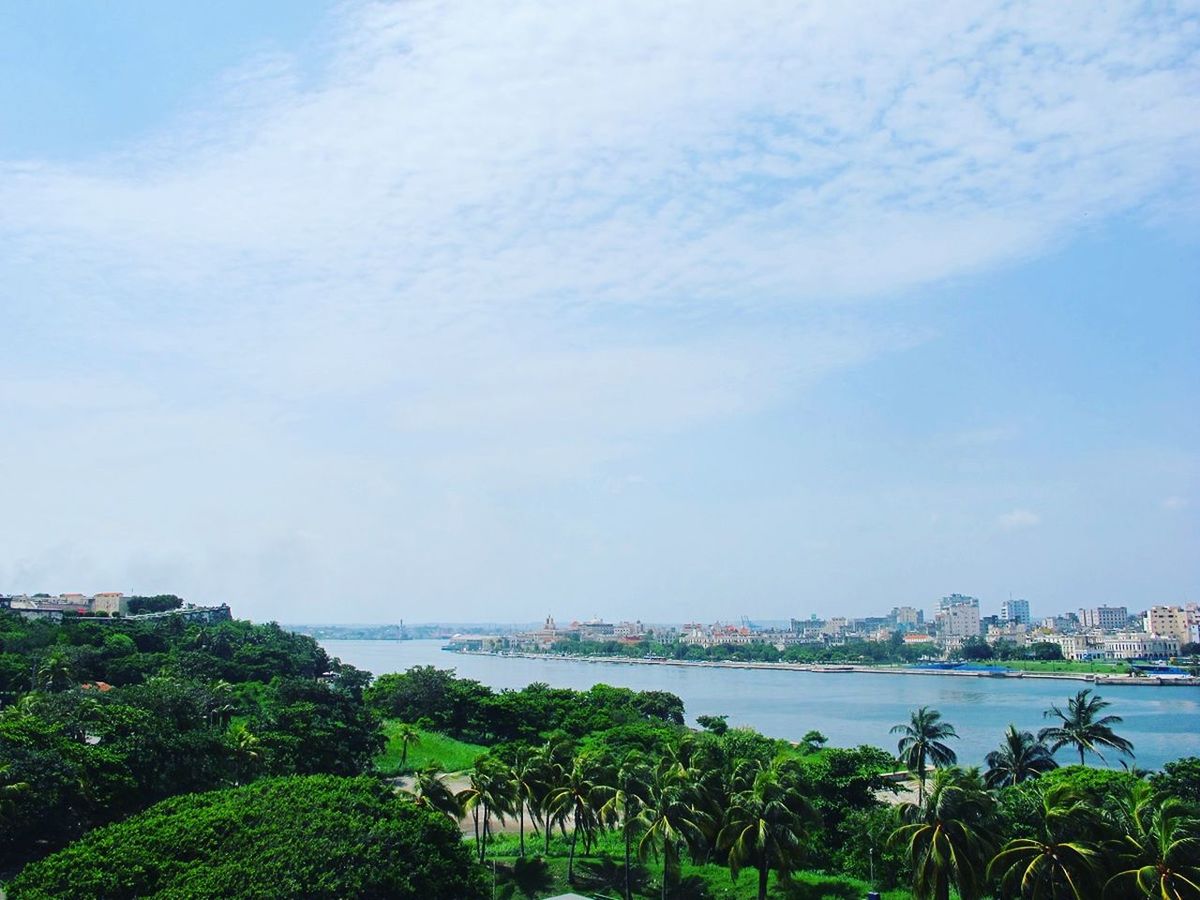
x=718 y=725
x=1160 y=850
x=430 y=791
x=489 y=793
x=1083 y=728
x=317 y=836
x=765 y=825
x=575 y=798
x=621 y=804
x=1019 y=758
x=948 y=835
x=922 y=742
x=813 y=741
x=1179 y=778
x=245 y=746
x=1052 y=864
x=669 y=819
x=406 y=734
x=526 y=774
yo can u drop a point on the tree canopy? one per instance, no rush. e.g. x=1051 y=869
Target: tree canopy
x=314 y=836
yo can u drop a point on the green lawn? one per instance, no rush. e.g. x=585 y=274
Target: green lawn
x=1095 y=668
x=601 y=874
x=449 y=754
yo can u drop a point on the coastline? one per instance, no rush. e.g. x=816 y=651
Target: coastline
x=1088 y=677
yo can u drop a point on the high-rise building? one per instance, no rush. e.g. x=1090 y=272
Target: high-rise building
x=958 y=617
x=908 y=618
x=1172 y=622
x=1015 y=611
x=1107 y=618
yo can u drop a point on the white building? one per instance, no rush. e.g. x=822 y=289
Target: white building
x=958 y=618
x=1106 y=618
x=1139 y=645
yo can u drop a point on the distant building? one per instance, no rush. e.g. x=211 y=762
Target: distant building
x=1139 y=645
x=908 y=618
x=111 y=602
x=958 y=618
x=1106 y=618
x=1182 y=624
x=1075 y=646
x=594 y=629
x=1015 y=611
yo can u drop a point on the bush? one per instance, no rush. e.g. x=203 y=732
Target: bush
x=316 y=836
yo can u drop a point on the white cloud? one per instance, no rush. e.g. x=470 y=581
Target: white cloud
x=1175 y=503
x=1018 y=519
x=504 y=244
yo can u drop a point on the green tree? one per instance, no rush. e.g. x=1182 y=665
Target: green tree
x=1160 y=850
x=575 y=797
x=621 y=803
x=408 y=734
x=526 y=774
x=320 y=837
x=488 y=794
x=430 y=791
x=1056 y=862
x=765 y=826
x=1083 y=728
x=948 y=835
x=245 y=746
x=923 y=741
x=1020 y=757
x=670 y=819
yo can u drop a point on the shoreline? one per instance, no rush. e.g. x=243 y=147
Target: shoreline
x=826 y=668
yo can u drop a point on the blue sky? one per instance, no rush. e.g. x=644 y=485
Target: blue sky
x=356 y=312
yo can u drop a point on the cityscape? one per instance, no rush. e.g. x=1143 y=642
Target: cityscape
x=1095 y=633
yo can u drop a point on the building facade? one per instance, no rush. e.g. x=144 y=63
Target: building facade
x=958 y=618
x=1106 y=618
x=1016 y=611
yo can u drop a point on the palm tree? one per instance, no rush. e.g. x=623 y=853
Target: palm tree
x=553 y=758
x=670 y=818
x=429 y=790
x=922 y=742
x=948 y=835
x=1020 y=757
x=407 y=734
x=1083 y=728
x=245 y=749
x=575 y=797
x=1050 y=864
x=622 y=802
x=489 y=793
x=764 y=826
x=526 y=776
x=1160 y=850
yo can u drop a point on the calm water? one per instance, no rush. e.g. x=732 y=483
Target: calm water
x=849 y=708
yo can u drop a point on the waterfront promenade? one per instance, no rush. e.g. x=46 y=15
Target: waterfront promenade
x=965 y=672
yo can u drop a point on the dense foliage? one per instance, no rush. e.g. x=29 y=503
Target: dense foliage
x=315 y=836
x=193 y=708
x=466 y=709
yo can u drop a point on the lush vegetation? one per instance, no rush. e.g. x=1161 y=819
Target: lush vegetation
x=101 y=719
x=161 y=749
x=315 y=836
x=425 y=748
x=462 y=708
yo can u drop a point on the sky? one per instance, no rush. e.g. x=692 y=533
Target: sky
x=358 y=312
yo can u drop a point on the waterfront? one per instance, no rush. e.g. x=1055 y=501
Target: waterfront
x=848 y=707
